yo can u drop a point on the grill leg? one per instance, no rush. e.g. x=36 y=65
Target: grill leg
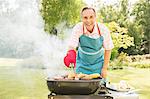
x=51 y=95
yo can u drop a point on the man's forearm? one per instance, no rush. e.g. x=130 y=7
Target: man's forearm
x=107 y=55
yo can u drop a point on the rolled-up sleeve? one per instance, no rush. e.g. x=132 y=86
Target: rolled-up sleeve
x=107 y=43
x=76 y=33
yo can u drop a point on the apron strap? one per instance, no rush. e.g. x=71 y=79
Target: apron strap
x=98 y=30
x=83 y=28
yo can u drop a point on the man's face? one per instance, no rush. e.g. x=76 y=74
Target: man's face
x=88 y=18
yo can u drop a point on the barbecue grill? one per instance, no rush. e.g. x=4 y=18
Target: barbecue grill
x=76 y=89
x=83 y=89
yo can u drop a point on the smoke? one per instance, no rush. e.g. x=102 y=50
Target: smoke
x=22 y=36
x=20 y=28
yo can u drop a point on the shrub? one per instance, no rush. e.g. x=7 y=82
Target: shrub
x=120 y=38
x=138 y=61
x=140 y=64
x=120 y=61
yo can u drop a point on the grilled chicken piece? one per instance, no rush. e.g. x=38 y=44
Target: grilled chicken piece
x=81 y=75
x=95 y=75
x=71 y=75
x=87 y=77
x=92 y=76
x=74 y=76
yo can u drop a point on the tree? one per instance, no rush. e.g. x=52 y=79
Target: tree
x=56 y=11
x=117 y=12
x=142 y=18
x=108 y=14
x=122 y=14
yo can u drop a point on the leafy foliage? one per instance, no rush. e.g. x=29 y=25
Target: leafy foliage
x=56 y=11
x=108 y=14
x=142 y=13
x=120 y=61
x=118 y=12
x=120 y=38
x=136 y=20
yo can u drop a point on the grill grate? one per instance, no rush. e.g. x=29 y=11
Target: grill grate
x=79 y=97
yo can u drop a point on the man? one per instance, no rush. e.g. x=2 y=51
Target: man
x=94 y=45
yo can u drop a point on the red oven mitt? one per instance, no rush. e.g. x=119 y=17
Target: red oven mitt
x=70 y=58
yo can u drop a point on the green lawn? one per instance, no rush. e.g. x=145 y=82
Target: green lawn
x=19 y=83
x=27 y=83
x=138 y=78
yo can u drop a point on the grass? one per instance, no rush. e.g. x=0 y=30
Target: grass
x=19 y=83
x=27 y=83
x=138 y=78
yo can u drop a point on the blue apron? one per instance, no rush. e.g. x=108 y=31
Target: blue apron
x=90 y=56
